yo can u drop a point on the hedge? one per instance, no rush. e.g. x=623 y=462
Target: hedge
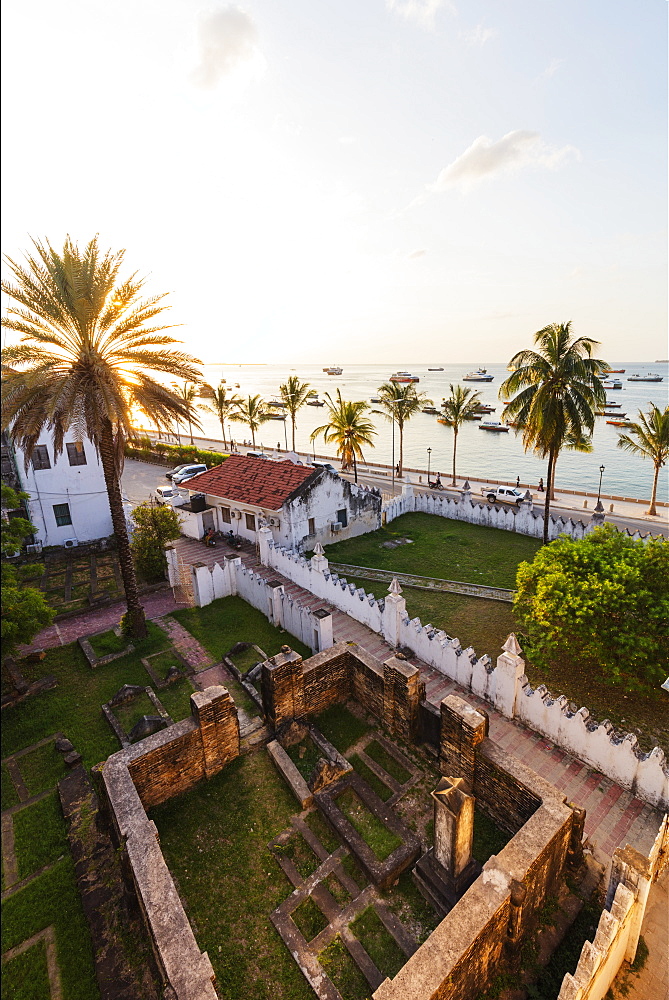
x=171 y=455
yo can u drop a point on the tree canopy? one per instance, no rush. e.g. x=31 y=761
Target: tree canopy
x=348 y=428
x=648 y=437
x=155 y=526
x=602 y=602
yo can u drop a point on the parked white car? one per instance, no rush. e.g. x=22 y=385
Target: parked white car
x=169 y=495
x=507 y=494
x=187 y=472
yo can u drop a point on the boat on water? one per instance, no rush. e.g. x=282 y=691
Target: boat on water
x=485 y=408
x=480 y=375
x=493 y=425
x=614 y=371
x=277 y=416
x=206 y=391
x=277 y=402
x=610 y=404
x=375 y=399
x=650 y=377
x=474 y=416
x=334 y=370
x=620 y=423
x=430 y=409
x=435 y=369
x=610 y=413
x=403 y=377
x=613 y=383
x=315 y=402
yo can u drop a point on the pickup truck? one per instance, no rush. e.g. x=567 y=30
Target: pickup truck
x=503 y=494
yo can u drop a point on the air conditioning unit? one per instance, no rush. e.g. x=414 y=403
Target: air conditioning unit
x=235 y=513
x=274 y=522
x=34 y=549
x=70 y=543
x=335 y=526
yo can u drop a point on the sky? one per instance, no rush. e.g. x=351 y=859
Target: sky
x=418 y=180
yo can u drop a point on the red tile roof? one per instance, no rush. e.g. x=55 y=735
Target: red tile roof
x=256 y=481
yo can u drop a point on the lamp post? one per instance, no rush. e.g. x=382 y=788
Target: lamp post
x=601 y=473
x=429 y=455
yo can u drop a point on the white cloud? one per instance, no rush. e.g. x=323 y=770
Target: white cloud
x=478 y=35
x=423 y=12
x=512 y=152
x=551 y=69
x=416 y=253
x=228 y=44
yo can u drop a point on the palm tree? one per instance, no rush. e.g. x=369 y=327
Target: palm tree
x=574 y=442
x=252 y=411
x=294 y=394
x=399 y=404
x=223 y=406
x=188 y=392
x=348 y=427
x=649 y=438
x=459 y=406
x=556 y=391
x=88 y=342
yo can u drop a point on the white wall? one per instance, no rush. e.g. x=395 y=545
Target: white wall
x=82 y=487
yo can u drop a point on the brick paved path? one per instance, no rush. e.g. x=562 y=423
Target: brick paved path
x=193 y=653
x=615 y=817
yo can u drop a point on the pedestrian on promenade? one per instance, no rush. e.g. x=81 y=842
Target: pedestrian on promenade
x=540 y=487
x=517 y=481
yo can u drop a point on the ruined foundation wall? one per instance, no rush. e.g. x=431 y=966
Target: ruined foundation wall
x=327 y=679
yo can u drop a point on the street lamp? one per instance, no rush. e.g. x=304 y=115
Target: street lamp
x=601 y=473
x=429 y=455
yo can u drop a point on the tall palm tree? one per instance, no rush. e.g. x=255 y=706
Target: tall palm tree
x=649 y=438
x=400 y=403
x=574 y=442
x=459 y=406
x=88 y=343
x=348 y=427
x=252 y=411
x=294 y=394
x=188 y=392
x=223 y=406
x=556 y=391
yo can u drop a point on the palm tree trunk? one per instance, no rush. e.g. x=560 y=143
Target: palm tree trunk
x=652 y=510
x=253 y=436
x=292 y=418
x=355 y=468
x=455 y=447
x=401 y=461
x=222 y=430
x=549 y=488
x=190 y=428
x=135 y=610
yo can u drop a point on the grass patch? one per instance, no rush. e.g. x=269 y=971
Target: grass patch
x=26 y=976
x=340 y=727
x=378 y=837
x=565 y=957
x=73 y=707
x=229 y=620
x=304 y=755
x=246 y=659
x=53 y=898
x=380 y=755
x=129 y=714
x=175 y=699
x=107 y=642
x=489 y=839
x=216 y=834
x=321 y=829
x=9 y=794
x=406 y=901
x=337 y=890
x=163 y=663
x=39 y=835
x=442 y=548
x=42 y=768
x=353 y=870
x=381 y=946
x=298 y=851
x=343 y=971
x=309 y=919
x=241 y=698
x=366 y=773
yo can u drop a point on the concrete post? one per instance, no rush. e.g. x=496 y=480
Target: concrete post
x=510 y=668
x=453 y=825
x=276 y=592
x=394 y=611
x=203 y=585
x=233 y=564
x=264 y=538
x=172 y=566
x=597 y=519
x=323 y=629
x=282 y=687
x=407 y=494
x=318 y=560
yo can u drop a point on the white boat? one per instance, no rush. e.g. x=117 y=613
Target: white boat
x=334 y=370
x=404 y=377
x=315 y=402
x=650 y=377
x=614 y=383
x=481 y=375
x=375 y=399
x=493 y=425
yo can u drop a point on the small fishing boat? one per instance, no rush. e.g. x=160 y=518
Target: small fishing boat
x=610 y=413
x=375 y=399
x=609 y=404
x=615 y=371
x=277 y=402
x=403 y=377
x=334 y=370
x=620 y=423
x=493 y=425
x=430 y=409
x=474 y=416
x=206 y=391
x=481 y=375
x=315 y=402
x=485 y=408
x=277 y=416
x=435 y=369
x=613 y=383
x=650 y=377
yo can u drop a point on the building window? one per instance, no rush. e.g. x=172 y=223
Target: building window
x=342 y=518
x=62 y=514
x=76 y=453
x=312 y=526
x=40 y=457
x=225 y=515
x=250 y=522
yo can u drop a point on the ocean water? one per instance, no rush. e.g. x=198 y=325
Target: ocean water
x=481 y=454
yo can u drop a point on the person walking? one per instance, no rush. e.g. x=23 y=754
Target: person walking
x=517 y=481
x=540 y=487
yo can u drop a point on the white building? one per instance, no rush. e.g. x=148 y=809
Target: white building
x=68 y=501
x=300 y=504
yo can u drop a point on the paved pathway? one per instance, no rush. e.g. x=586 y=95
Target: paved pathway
x=614 y=817
x=192 y=651
x=652 y=982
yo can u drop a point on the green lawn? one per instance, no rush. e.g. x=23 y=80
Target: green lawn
x=376 y=834
x=39 y=835
x=107 y=642
x=343 y=971
x=448 y=550
x=229 y=620
x=42 y=768
x=381 y=947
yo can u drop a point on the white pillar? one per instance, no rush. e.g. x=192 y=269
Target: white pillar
x=453 y=825
x=323 y=628
x=264 y=538
x=394 y=610
x=510 y=668
x=275 y=594
x=172 y=566
x=318 y=560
